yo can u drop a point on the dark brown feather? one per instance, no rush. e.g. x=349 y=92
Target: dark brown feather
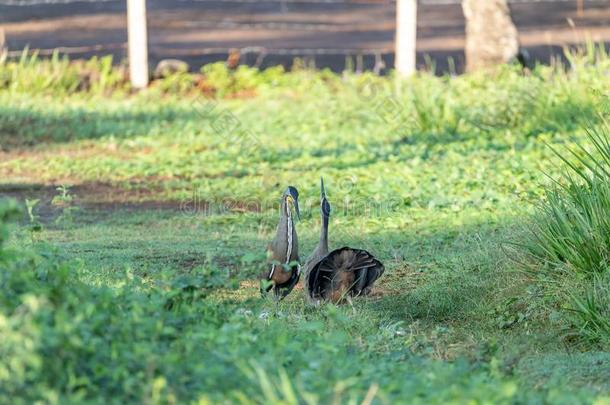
x=344 y=272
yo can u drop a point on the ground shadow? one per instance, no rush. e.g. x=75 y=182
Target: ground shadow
x=22 y=127
x=92 y=201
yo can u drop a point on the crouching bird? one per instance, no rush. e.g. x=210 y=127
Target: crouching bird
x=342 y=273
x=283 y=269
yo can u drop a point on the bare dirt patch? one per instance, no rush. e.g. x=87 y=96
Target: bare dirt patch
x=89 y=196
x=102 y=199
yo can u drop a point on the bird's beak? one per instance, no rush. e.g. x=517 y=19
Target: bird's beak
x=322 y=191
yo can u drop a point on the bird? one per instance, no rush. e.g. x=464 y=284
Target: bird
x=283 y=270
x=321 y=250
x=341 y=274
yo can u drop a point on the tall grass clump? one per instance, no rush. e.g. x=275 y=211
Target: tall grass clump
x=570 y=236
x=572 y=227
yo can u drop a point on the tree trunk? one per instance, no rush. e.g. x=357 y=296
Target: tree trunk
x=491 y=36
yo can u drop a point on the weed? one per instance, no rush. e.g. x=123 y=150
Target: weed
x=64 y=201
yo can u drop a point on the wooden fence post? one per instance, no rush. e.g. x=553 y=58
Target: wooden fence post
x=137 y=34
x=406 y=36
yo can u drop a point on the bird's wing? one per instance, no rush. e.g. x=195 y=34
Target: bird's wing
x=365 y=268
x=282 y=290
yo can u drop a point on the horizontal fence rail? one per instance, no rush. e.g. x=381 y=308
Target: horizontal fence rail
x=26 y=3
x=66 y=50
x=211 y=51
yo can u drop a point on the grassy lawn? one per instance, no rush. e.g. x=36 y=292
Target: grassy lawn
x=171 y=198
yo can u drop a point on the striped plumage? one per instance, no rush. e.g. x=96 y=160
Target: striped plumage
x=283 y=270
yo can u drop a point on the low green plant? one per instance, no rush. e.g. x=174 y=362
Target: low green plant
x=198 y=285
x=35 y=224
x=64 y=201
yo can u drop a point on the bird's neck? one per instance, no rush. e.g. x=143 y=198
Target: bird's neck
x=285 y=215
x=289 y=234
x=285 y=229
x=324 y=233
x=285 y=218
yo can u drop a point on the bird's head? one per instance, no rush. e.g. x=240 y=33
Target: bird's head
x=291 y=196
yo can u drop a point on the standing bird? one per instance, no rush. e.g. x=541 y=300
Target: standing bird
x=283 y=252
x=342 y=273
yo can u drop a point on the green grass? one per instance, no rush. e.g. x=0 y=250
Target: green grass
x=175 y=197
